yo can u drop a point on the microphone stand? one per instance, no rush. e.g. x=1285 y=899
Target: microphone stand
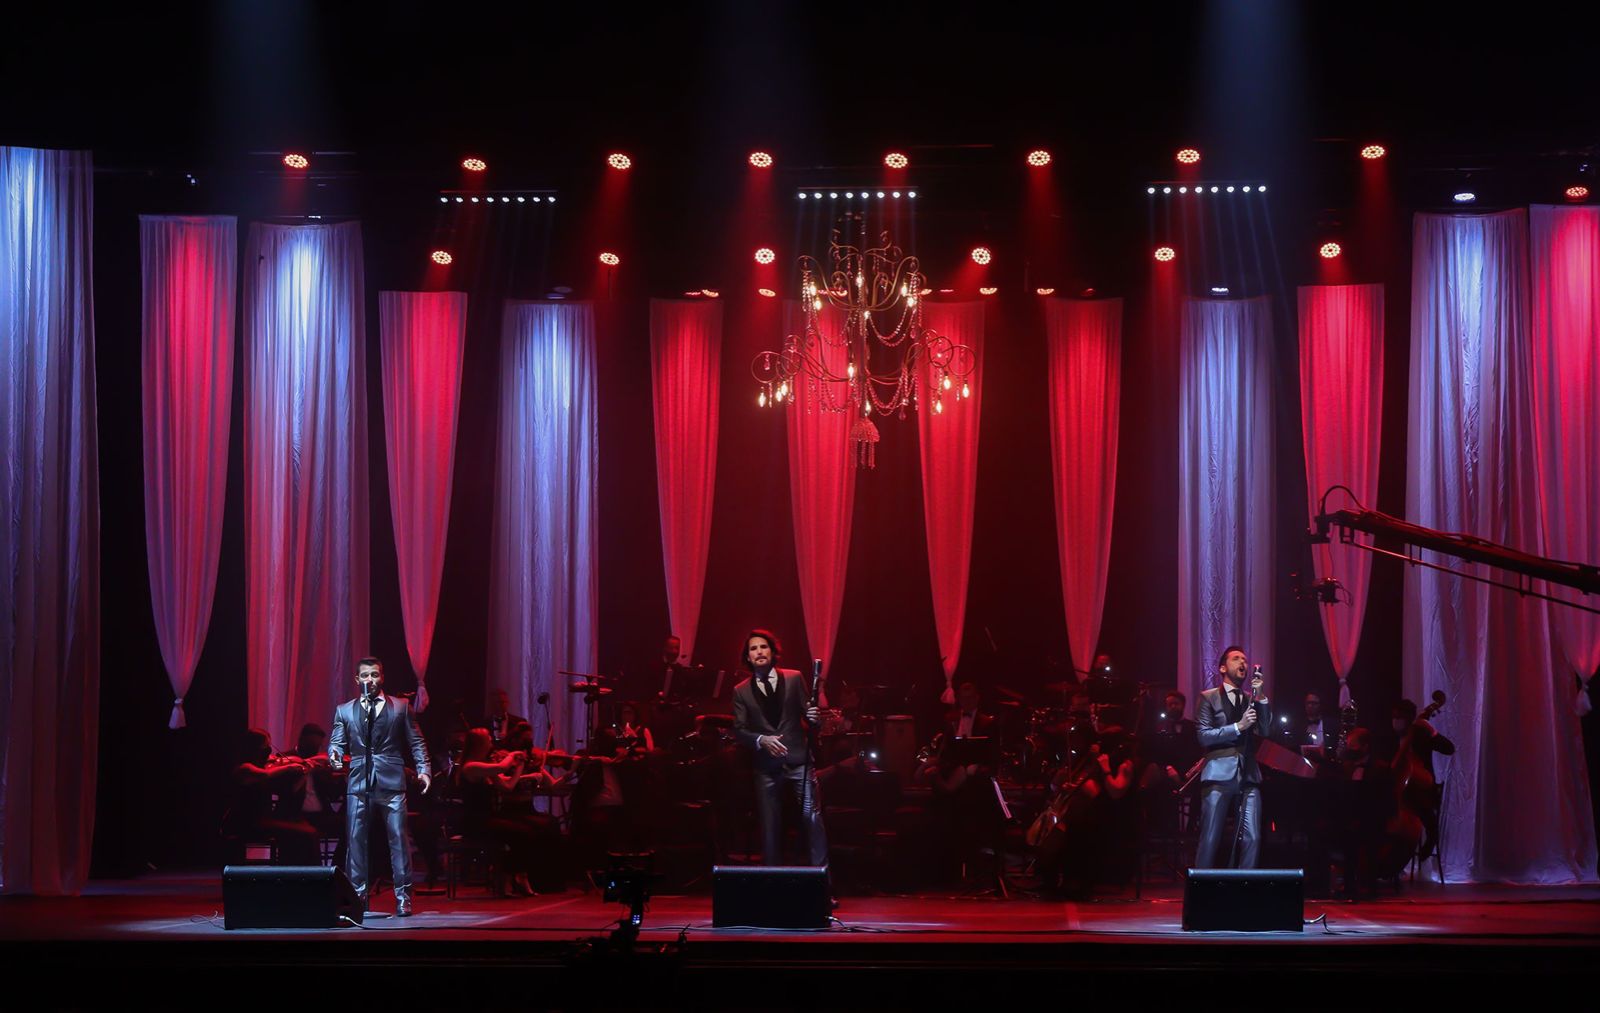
x=807 y=802
x=366 y=812
x=1238 y=829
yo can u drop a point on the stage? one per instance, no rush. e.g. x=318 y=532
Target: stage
x=161 y=934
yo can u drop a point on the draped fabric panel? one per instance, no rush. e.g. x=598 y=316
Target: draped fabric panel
x=305 y=520
x=543 y=595
x=423 y=338
x=1564 y=390
x=1341 y=421
x=949 y=447
x=49 y=522
x=686 y=366
x=1516 y=804
x=190 y=285
x=1085 y=373
x=822 y=488
x=1225 y=481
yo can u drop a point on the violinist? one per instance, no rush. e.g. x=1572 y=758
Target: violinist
x=486 y=778
x=261 y=780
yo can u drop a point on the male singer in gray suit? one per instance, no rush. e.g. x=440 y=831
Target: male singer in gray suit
x=383 y=727
x=1230 y=726
x=771 y=718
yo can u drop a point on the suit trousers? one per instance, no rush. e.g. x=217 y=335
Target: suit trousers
x=769 y=806
x=1215 y=798
x=392 y=808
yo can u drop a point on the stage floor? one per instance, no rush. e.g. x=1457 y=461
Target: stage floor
x=883 y=951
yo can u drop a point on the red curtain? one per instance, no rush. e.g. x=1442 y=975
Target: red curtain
x=187 y=366
x=1341 y=417
x=1564 y=386
x=685 y=361
x=822 y=491
x=1085 y=374
x=423 y=335
x=949 y=446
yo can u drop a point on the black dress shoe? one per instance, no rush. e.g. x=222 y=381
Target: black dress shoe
x=402 y=909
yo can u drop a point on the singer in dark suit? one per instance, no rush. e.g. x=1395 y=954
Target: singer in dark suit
x=383 y=727
x=772 y=715
x=1230 y=728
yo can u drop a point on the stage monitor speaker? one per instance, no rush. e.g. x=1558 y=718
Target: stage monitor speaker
x=770 y=897
x=1244 y=900
x=287 y=897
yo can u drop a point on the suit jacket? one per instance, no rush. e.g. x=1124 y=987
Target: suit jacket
x=750 y=721
x=394 y=735
x=1229 y=755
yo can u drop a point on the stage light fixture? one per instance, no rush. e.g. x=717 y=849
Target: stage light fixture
x=474 y=164
x=988 y=290
x=441 y=257
x=474 y=200
x=850 y=195
x=710 y=293
x=1166 y=189
x=1230 y=189
x=1262 y=188
x=521 y=199
x=760 y=159
x=460 y=200
x=1577 y=192
x=895 y=160
x=1188 y=156
x=766 y=293
x=981 y=255
x=1219 y=290
x=765 y=255
x=1149 y=189
x=1039 y=158
x=295 y=160
x=617 y=160
x=1373 y=152
x=1330 y=250
x=912 y=194
x=1044 y=291
x=880 y=194
x=833 y=195
x=693 y=295
x=444 y=200
x=1247 y=189
x=1183 y=189
x=897 y=195
x=1165 y=253
x=802 y=196
x=1213 y=189
x=1464 y=197
x=610 y=259
x=816 y=196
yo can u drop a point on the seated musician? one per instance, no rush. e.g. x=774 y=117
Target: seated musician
x=1092 y=834
x=267 y=792
x=499 y=721
x=632 y=730
x=485 y=780
x=965 y=806
x=1313 y=735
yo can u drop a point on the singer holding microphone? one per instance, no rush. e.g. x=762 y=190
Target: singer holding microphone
x=773 y=711
x=376 y=731
x=1231 y=724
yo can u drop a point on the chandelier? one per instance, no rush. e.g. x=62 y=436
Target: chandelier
x=883 y=354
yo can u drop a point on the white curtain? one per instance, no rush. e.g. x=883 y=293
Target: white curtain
x=1516 y=806
x=190 y=280
x=1225 y=511
x=543 y=597
x=49 y=522
x=305 y=433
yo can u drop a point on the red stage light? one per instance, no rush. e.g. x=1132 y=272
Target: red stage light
x=442 y=257
x=895 y=160
x=1373 y=152
x=617 y=160
x=1045 y=291
x=1577 y=192
x=1039 y=158
x=474 y=164
x=1165 y=253
x=981 y=255
x=610 y=259
x=761 y=159
x=1330 y=250
x=296 y=161
x=1188 y=156
x=988 y=290
x=767 y=292
x=765 y=255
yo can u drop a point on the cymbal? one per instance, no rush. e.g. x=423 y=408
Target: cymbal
x=589 y=689
x=586 y=675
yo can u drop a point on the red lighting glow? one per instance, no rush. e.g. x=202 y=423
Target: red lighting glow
x=474 y=164
x=895 y=160
x=1165 y=253
x=1577 y=192
x=766 y=293
x=765 y=255
x=1039 y=158
x=761 y=159
x=610 y=259
x=1373 y=152
x=981 y=255
x=1188 y=156
x=296 y=161
x=1044 y=291
x=617 y=160
x=988 y=290
x=442 y=257
x=1330 y=250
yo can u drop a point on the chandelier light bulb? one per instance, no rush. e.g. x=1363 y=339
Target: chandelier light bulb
x=966 y=390
x=947 y=381
x=761 y=400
